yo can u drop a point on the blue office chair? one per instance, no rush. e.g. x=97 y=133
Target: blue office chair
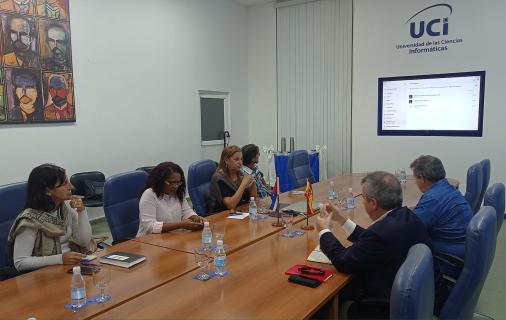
x=199 y=181
x=12 y=201
x=485 y=170
x=412 y=295
x=90 y=185
x=473 y=186
x=480 y=249
x=494 y=197
x=299 y=169
x=121 y=203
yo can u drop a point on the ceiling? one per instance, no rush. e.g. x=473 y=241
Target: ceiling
x=253 y=2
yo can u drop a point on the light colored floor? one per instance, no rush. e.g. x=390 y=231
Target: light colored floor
x=492 y=302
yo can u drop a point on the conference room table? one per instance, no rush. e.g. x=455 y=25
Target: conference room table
x=163 y=285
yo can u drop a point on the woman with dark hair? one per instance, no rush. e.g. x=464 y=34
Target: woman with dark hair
x=163 y=206
x=229 y=186
x=52 y=226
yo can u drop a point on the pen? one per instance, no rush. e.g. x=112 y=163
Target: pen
x=235 y=214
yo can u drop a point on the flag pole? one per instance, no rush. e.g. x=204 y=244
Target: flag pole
x=309 y=205
x=277 y=223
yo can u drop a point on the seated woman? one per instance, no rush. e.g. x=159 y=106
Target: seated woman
x=229 y=186
x=250 y=158
x=53 y=224
x=163 y=206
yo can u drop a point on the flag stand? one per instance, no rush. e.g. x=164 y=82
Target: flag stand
x=278 y=223
x=309 y=204
x=307 y=226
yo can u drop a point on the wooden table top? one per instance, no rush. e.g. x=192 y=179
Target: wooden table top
x=255 y=288
x=238 y=234
x=43 y=293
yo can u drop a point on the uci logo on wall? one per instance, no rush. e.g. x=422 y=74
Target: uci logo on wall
x=429 y=28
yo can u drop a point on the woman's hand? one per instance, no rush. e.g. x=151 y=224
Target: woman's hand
x=197 y=219
x=190 y=225
x=247 y=181
x=77 y=203
x=72 y=257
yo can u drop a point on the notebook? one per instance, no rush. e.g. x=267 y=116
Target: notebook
x=299 y=206
x=318 y=256
x=122 y=259
x=322 y=277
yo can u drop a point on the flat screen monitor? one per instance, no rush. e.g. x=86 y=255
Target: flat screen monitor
x=449 y=104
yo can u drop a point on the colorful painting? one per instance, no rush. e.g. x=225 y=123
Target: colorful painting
x=36 y=81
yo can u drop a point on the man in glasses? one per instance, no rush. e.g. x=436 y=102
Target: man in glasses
x=378 y=251
x=58 y=107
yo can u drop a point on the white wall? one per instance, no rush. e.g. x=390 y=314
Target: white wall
x=138 y=66
x=378 y=27
x=262 y=106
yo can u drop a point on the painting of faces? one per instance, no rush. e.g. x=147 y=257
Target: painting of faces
x=36 y=81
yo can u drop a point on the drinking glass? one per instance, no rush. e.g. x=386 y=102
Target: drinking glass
x=219 y=228
x=202 y=258
x=288 y=218
x=101 y=278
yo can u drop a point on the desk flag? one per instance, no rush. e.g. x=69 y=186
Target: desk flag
x=309 y=198
x=275 y=195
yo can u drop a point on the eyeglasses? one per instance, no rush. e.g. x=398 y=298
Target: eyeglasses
x=311 y=270
x=173 y=184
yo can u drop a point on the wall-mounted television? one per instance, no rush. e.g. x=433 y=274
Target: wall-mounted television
x=449 y=104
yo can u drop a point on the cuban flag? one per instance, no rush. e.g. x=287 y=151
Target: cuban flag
x=275 y=195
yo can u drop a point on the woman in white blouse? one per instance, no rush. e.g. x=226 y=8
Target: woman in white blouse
x=163 y=206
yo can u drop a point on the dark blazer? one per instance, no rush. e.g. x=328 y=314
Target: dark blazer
x=377 y=252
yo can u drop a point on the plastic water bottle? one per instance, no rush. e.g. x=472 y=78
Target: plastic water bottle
x=220 y=259
x=77 y=289
x=252 y=209
x=350 y=199
x=402 y=176
x=207 y=235
x=331 y=195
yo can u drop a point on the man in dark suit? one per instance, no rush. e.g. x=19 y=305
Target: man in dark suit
x=378 y=251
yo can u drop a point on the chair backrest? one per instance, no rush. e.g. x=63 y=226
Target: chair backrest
x=494 y=197
x=147 y=169
x=199 y=181
x=412 y=295
x=485 y=172
x=473 y=186
x=299 y=169
x=12 y=201
x=121 y=203
x=479 y=254
x=90 y=185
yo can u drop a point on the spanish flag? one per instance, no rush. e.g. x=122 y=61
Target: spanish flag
x=309 y=198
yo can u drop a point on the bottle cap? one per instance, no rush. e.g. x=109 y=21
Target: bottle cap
x=219 y=242
x=331 y=183
x=206 y=223
x=251 y=198
x=350 y=189
x=76 y=270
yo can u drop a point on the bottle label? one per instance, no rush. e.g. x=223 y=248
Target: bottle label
x=220 y=261
x=350 y=202
x=206 y=239
x=78 y=293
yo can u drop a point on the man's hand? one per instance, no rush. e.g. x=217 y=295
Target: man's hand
x=323 y=220
x=336 y=215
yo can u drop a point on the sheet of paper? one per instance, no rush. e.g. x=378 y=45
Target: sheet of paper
x=318 y=256
x=238 y=215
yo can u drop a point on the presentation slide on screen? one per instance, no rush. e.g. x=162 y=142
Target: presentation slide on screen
x=431 y=104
